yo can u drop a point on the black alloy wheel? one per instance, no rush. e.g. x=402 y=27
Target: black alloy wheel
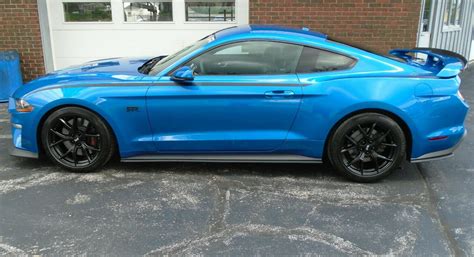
x=77 y=139
x=367 y=147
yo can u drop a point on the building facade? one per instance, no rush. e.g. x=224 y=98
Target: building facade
x=53 y=34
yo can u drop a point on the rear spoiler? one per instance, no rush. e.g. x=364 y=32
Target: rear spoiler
x=443 y=63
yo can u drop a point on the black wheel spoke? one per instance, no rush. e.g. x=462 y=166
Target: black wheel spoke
x=372 y=129
x=351 y=139
x=59 y=134
x=74 y=155
x=389 y=144
x=66 y=125
x=348 y=149
x=92 y=135
x=86 y=152
x=362 y=130
x=58 y=142
x=91 y=148
x=379 y=139
x=66 y=153
x=356 y=159
x=379 y=156
x=374 y=158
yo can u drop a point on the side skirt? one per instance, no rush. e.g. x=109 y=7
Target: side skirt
x=246 y=158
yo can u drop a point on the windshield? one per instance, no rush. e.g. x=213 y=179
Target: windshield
x=170 y=59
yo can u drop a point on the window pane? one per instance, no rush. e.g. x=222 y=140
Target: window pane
x=97 y=11
x=137 y=11
x=210 y=11
x=447 y=11
x=452 y=16
x=248 y=58
x=458 y=13
x=426 y=16
x=317 y=60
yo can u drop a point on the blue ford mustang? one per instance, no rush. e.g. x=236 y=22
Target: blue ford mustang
x=248 y=94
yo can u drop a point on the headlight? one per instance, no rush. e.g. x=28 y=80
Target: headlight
x=23 y=106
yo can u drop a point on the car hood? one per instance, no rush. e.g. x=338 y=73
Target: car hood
x=111 y=70
x=126 y=66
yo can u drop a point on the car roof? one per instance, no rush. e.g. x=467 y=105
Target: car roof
x=272 y=29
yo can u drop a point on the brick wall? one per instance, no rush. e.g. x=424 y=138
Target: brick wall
x=379 y=25
x=19 y=30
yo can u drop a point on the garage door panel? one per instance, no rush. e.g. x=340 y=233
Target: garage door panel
x=77 y=42
x=111 y=43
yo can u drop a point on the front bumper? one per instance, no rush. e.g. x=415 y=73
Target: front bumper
x=16 y=148
x=22 y=153
x=23 y=133
x=446 y=153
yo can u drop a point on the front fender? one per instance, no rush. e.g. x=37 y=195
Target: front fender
x=131 y=129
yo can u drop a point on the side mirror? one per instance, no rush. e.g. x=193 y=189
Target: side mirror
x=183 y=74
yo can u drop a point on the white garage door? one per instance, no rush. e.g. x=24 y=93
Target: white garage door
x=83 y=30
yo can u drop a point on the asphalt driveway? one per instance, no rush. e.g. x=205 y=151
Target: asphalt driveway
x=236 y=209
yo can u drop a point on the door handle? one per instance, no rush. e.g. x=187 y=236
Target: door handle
x=279 y=93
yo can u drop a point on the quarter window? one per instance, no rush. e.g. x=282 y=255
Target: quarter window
x=87 y=11
x=210 y=11
x=148 y=11
x=317 y=60
x=248 y=58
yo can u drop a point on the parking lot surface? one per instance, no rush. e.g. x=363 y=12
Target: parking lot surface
x=236 y=209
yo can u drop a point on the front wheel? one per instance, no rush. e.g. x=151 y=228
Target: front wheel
x=77 y=139
x=367 y=147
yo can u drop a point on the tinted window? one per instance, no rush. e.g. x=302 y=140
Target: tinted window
x=210 y=11
x=317 y=60
x=148 y=11
x=88 y=12
x=248 y=58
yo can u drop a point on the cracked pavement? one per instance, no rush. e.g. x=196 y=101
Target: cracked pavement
x=236 y=209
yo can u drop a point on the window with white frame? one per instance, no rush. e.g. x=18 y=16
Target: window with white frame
x=210 y=11
x=147 y=11
x=452 y=13
x=87 y=11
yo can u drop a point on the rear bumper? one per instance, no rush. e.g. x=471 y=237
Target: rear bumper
x=446 y=153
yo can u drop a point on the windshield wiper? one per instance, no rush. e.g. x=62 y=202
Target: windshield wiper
x=148 y=65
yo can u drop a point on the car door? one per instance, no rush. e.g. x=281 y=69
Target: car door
x=244 y=98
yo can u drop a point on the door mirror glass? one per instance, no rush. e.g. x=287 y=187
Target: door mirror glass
x=183 y=74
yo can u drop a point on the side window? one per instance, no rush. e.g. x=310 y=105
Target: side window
x=317 y=60
x=248 y=58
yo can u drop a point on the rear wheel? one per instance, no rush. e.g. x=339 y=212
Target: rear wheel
x=77 y=139
x=367 y=147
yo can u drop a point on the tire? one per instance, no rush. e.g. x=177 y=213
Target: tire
x=367 y=147
x=77 y=139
